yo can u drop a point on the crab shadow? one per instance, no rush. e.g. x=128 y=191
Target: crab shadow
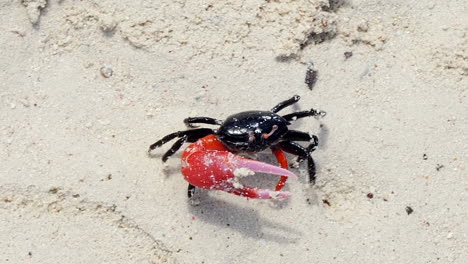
x=323 y=135
x=169 y=168
x=246 y=221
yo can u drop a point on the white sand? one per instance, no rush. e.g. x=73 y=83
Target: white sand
x=87 y=86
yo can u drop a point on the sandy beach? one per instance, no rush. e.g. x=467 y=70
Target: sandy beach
x=86 y=86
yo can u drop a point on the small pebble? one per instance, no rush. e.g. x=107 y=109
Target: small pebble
x=439 y=166
x=348 y=54
x=409 y=210
x=107 y=23
x=311 y=76
x=106 y=71
x=363 y=26
x=194 y=202
x=25 y=102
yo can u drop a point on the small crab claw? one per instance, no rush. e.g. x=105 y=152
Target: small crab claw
x=221 y=170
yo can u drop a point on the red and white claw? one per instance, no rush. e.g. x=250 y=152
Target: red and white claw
x=221 y=170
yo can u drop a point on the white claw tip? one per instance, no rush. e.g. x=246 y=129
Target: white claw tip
x=268 y=194
x=243 y=172
x=281 y=195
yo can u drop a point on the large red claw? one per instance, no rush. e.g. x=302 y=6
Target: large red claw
x=221 y=170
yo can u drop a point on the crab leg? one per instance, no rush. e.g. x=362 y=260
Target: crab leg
x=281 y=158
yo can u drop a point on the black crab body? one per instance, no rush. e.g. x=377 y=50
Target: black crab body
x=252 y=131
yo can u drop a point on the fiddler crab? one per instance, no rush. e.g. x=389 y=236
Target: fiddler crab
x=210 y=162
